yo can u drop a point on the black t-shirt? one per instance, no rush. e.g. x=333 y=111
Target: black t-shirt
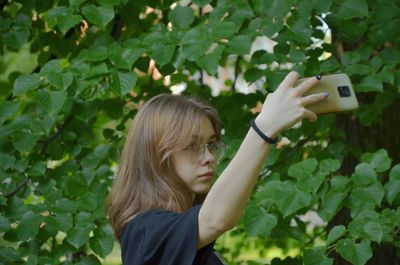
x=165 y=238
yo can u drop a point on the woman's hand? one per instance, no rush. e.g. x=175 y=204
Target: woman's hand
x=286 y=106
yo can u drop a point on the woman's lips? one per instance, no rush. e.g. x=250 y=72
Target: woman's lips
x=208 y=175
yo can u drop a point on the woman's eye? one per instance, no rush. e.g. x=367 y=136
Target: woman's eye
x=192 y=146
x=213 y=145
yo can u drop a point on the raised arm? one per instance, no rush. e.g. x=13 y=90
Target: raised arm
x=227 y=199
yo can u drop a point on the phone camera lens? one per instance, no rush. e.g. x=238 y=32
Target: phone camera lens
x=344 y=91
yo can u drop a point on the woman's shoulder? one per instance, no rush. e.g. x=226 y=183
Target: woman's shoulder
x=153 y=216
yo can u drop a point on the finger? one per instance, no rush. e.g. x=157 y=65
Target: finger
x=310 y=115
x=290 y=79
x=306 y=85
x=314 y=98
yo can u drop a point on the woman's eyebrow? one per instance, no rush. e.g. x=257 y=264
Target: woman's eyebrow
x=211 y=137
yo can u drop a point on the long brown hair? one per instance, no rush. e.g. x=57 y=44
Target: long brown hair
x=146 y=178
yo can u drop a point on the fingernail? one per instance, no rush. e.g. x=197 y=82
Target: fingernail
x=326 y=94
x=319 y=77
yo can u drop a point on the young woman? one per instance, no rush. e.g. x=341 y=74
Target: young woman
x=162 y=207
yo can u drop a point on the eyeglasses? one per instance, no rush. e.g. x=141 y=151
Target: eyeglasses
x=197 y=150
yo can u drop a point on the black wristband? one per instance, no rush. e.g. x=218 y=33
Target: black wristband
x=261 y=134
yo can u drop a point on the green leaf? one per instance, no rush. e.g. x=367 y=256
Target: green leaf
x=32 y=260
x=181 y=16
x=353 y=8
x=84 y=111
x=272 y=26
x=29 y=226
x=102 y=245
x=8 y=109
x=387 y=75
x=11 y=255
x=108 y=2
x=65 y=22
x=65 y=205
x=253 y=74
x=58 y=11
x=315 y=256
x=364 y=175
x=328 y=166
x=209 y=62
x=336 y=233
x=102 y=151
x=16 y=37
x=50 y=67
x=78 y=236
x=5 y=23
x=83 y=218
x=74 y=185
x=392 y=188
x=297 y=56
x=350 y=58
x=303 y=169
x=222 y=29
x=60 y=80
x=98 y=15
x=7 y=161
x=124 y=58
x=100 y=69
x=390 y=56
x=262 y=57
x=374 y=231
x=379 y=160
x=194 y=44
x=162 y=54
x=5 y=130
x=24 y=140
x=329 y=65
x=38 y=169
x=370 y=194
x=26 y=82
x=370 y=83
x=301 y=31
x=64 y=221
x=395 y=172
x=4 y=224
x=357 y=254
x=281 y=8
x=52 y=101
x=201 y=3
x=257 y=222
x=97 y=53
x=239 y=45
x=122 y=82
x=269 y=191
x=89 y=260
x=289 y=199
x=330 y=205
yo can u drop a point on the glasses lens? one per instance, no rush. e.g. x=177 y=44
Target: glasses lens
x=217 y=149
x=197 y=150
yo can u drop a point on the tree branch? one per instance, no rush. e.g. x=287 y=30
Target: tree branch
x=236 y=74
x=201 y=79
x=3 y=3
x=52 y=138
x=118 y=25
x=19 y=186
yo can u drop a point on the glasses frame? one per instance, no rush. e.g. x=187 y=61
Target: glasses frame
x=197 y=154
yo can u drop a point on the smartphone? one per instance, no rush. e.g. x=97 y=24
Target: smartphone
x=341 y=94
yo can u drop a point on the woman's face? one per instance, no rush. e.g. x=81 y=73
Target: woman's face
x=197 y=169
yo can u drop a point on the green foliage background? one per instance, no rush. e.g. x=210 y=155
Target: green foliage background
x=63 y=122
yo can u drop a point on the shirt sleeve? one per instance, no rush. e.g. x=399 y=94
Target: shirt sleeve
x=163 y=237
